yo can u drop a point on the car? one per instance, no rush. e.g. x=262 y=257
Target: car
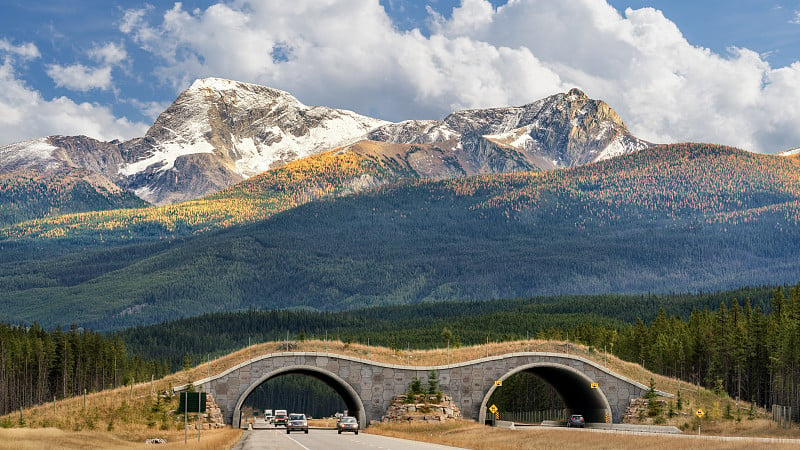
x=347 y=423
x=280 y=417
x=297 y=422
x=268 y=419
x=576 y=421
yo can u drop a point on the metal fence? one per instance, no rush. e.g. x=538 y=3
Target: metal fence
x=532 y=416
x=785 y=415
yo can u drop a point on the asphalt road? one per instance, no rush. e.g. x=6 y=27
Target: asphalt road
x=277 y=439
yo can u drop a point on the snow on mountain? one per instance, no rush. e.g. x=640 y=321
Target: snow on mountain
x=562 y=130
x=413 y=132
x=219 y=132
x=35 y=154
x=245 y=128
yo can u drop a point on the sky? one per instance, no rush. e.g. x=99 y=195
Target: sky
x=717 y=71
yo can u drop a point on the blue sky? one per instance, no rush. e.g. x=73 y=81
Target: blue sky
x=712 y=71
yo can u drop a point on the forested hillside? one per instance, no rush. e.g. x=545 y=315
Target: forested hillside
x=37 y=366
x=679 y=218
x=28 y=195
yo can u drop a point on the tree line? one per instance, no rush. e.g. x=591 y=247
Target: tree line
x=38 y=366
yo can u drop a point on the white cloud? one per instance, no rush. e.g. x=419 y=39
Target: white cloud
x=24 y=114
x=796 y=18
x=110 y=54
x=78 y=77
x=342 y=53
x=347 y=53
x=27 y=50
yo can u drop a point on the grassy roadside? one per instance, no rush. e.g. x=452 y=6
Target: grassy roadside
x=471 y=435
x=53 y=438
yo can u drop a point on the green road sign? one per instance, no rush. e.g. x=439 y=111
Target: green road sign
x=193 y=402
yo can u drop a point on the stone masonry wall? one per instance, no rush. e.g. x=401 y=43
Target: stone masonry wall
x=376 y=384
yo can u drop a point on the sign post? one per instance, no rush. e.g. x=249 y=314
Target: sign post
x=192 y=402
x=699 y=413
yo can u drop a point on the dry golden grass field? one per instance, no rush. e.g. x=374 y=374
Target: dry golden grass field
x=471 y=435
x=122 y=418
x=53 y=438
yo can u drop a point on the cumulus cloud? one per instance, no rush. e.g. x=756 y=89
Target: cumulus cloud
x=26 y=51
x=110 y=54
x=342 y=53
x=25 y=114
x=348 y=53
x=78 y=77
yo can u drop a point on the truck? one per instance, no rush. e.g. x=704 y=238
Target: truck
x=281 y=417
x=268 y=416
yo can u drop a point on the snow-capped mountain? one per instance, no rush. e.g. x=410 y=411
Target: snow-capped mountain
x=216 y=133
x=563 y=130
x=219 y=132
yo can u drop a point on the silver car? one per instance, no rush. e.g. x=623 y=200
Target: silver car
x=347 y=423
x=297 y=422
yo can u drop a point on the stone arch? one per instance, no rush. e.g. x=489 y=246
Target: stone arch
x=572 y=386
x=350 y=397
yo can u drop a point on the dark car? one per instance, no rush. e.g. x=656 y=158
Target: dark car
x=576 y=421
x=297 y=422
x=347 y=423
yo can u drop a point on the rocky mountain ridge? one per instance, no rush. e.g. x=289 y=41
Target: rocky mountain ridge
x=220 y=132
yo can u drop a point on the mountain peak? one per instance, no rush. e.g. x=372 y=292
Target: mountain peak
x=222 y=85
x=575 y=94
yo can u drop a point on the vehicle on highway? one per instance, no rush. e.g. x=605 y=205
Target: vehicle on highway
x=297 y=422
x=280 y=418
x=575 y=421
x=347 y=423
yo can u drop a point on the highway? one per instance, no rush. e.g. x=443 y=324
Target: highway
x=277 y=439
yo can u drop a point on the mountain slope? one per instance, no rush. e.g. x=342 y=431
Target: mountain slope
x=667 y=219
x=219 y=132
x=26 y=195
x=334 y=173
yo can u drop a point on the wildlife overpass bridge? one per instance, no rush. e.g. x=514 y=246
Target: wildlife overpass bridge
x=367 y=387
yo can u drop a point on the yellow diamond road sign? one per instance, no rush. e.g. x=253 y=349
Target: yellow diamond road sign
x=700 y=413
x=493 y=409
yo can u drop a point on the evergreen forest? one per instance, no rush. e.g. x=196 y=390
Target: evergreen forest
x=681 y=218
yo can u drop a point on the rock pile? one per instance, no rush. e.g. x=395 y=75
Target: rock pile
x=423 y=408
x=636 y=412
x=212 y=418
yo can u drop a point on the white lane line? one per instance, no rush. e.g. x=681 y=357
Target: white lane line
x=289 y=437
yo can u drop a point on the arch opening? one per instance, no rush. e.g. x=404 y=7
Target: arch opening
x=573 y=387
x=527 y=398
x=348 y=395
